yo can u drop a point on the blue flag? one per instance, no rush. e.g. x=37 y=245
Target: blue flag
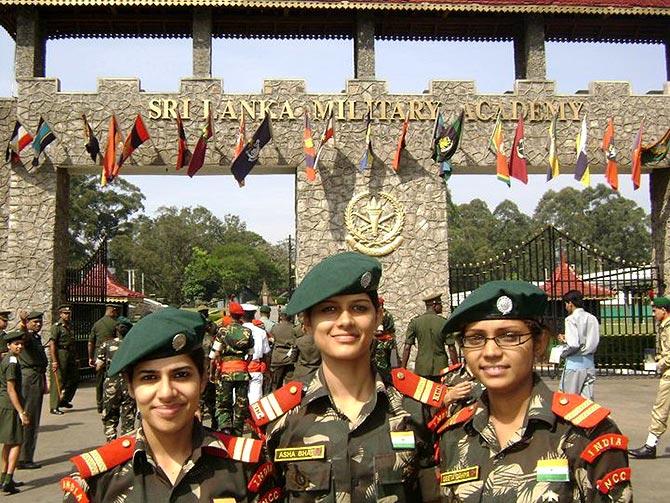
x=248 y=158
x=43 y=137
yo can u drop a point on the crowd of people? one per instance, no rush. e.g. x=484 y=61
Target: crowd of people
x=319 y=405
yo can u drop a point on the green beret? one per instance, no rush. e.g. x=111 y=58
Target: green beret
x=165 y=333
x=33 y=315
x=265 y=309
x=661 y=301
x=344 y=273
x=124 y=322
x=13 y=335
x=496 y=300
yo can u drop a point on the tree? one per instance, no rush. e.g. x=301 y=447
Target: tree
x=511 y=227
x=469 y=235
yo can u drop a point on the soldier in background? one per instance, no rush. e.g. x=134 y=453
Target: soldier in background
x=265 y=318
x=118 y=408
x=102 y=330
x=232 y=348
x=208 y=396
x=309 y=356
x=64 y=363
x=384 y=347
x=258 y=363
x=5 y=318
x=284 y=352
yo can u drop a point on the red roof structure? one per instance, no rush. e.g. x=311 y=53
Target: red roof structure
x=565 y=279
x=116 y=292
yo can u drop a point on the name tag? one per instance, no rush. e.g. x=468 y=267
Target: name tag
x=459 y=476
x=300 y=453
x=552 y=470
x=403 y=439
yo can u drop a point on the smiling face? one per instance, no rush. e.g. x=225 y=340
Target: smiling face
x=503 y=370
x=15 y=346
x=343 y=326
x=167 y=392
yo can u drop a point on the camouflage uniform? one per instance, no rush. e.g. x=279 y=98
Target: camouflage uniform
x=384 y=347
x=117 y=404
x=236 y=343
x=208 y=474
x=208 y=397
x=474 y=468
x=284 y=352
x=359 y=462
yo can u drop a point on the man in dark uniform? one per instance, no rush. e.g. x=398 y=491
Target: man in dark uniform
x=284 y=352
x=34 y=364
x=5 y=317
x=64 y=364
x=427 y=331
x=309 y=356
x=102 y=330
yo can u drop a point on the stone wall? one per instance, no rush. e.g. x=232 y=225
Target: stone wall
x=7 y=115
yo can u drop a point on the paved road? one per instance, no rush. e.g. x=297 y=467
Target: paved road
x=630 y=399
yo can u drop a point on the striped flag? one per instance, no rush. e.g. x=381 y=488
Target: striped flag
x=401 y=145
x=241 y=138
x=310 y=151
x=183 y=154
x=496 y=145
x=137 y=136
x=109 y=161
x=445 y=142
x=92 y=144
x=368 y=156
x=657 y=151
x=198 y=156
x=554 y=168
x=582 y=171
x=607 y=146
x=517 y=157
x=636 y=159
x=43 y=137
x=328 y=133
x=19 y=140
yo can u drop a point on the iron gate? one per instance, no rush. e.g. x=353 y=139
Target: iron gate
x=617 y=292
x=86 y=290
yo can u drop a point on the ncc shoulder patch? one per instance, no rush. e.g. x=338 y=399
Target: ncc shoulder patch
x=618 y=476
x=460 y=417
x=71 y=486
x=277 y=403
x=260 y=476
x=578 y=410
x=243 y=449
x=105 y=458
x=421 y=389
x=274 y=494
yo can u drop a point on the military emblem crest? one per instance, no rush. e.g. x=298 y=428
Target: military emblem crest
x=374 y=223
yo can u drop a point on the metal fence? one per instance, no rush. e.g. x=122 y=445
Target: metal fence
x=615 y=291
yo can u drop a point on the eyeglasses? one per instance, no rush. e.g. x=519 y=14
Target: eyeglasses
x=505 y=340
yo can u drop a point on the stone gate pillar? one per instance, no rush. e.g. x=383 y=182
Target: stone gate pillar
x=529 y=51
x=659 y=192
x=202 y=43
x=364 y=47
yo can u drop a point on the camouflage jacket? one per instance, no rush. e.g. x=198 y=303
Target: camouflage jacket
x=385 y=455
x=550 y=458
x=235 y=343
x=208 y=474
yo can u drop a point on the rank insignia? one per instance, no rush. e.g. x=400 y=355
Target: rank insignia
x=276 y=404
x=419 y=388
x=613 y=478
x=453 y=477
x=602 y=444
x=578 y=410
x=304 y=453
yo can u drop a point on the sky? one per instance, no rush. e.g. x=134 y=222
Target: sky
x=266 y=203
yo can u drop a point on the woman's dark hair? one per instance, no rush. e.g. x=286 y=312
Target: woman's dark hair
x=575 y=297
x=197 y=356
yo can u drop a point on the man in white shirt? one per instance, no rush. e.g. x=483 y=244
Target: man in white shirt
x=257 y=365
x=582 y=335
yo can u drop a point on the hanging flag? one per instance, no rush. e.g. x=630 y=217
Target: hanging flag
x=92 y=144
x=368 y=156
x=445 y=142
x=241 y=138
x=582 y=171
x=109 y=161
x=310 y=151
x=608 y=147
x=554 y=167
x=137 y=136
x=43 y=137
x=198 y=156
x=657 y=151
x=636 y=159
x=19 y=140
x=401 y=145
x=183 y=154
x=496 y=145
x=328 y=133
x=248 y=158
x=517 y=156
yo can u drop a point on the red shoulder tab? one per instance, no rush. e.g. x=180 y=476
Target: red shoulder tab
x=451 y=368
x=618 y=476
x=578 y=410
x=421 y=389
x=277 y=403
x=274 y=494
x=260 y=476
x=439 y=418
x=71 y=486
x=602 y=444
x=106 y=457
x=243 y=449
x=462 y=416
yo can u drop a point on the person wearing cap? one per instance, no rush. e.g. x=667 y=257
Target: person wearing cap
x=13 y=415
x=118 y=407
x=258 y=364
x=581 y=338
x=171 y=456
x=102 y=330
x=660 y=412
x=5 y=318
x=521 y=442
x=232 y=348
x=284 y=351
x=64 y=364
x=342 y=434
x=34 y=365
x=265 y=312
x=427 y=331
x=384 y=347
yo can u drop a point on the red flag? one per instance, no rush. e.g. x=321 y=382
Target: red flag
x=20 y=139
x=109 y=161
x=182 y=148
x=328 y=133
x=137 y=136
x=310 y=151
x=517 y=157
x=636 y=159
x=611 y=172
x=241 y=138
x=401 y=145
x=198 y=157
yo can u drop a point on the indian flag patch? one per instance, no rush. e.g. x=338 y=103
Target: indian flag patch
x=403 y=439
x=552 y=470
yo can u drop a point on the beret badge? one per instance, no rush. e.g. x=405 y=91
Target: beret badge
x=178 y=342
x=366 y=279
x=504 y=304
